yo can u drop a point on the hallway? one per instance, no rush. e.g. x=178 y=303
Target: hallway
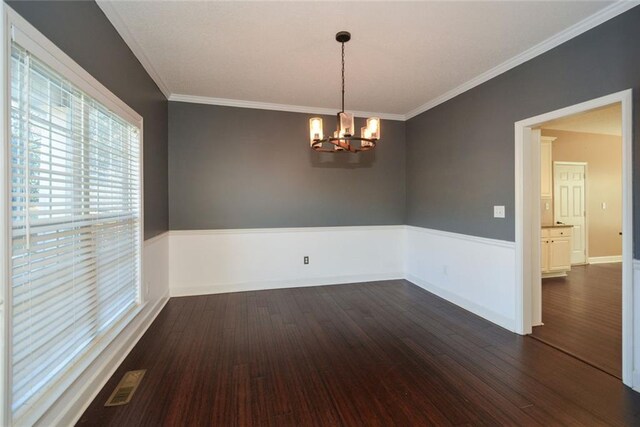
x=582 y=315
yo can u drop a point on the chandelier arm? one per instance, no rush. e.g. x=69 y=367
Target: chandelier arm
x=344 y=143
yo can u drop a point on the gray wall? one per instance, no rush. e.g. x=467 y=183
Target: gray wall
x=84 y=33
x=244 y=168
x=460 y=155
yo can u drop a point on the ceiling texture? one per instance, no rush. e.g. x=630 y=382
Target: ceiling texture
x=403 y=56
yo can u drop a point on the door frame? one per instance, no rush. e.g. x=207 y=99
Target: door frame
x=586 y=216
x=527 y=218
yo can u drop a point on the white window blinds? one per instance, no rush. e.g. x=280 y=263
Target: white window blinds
x=75 y=224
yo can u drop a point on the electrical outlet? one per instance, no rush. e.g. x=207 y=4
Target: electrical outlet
x=498 y=212
x=306 y=260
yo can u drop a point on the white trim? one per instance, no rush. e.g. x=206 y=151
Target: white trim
x=211 y=288
x=5 y=215
x=283 y=230
x=142 y=297
x=604 y=259
x=104 y=368
x=467 y=237
x=575 y=30
x=463 y=303
x=175 y=97
x=116 y=20
x=155 y=238
x=636 y=380
x=636 y=369
x=528 y=217
x=17 y=28
x=590 y=22
x=34 y=41
x=549 y=276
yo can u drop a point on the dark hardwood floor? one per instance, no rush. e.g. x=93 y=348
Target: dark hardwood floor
x=582 y=315
x=369 y=354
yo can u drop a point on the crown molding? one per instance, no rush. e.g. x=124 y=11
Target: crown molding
x=277 y=107
x=116 y=20
x=575 y=30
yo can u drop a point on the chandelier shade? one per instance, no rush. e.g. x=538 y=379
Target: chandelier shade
x=344 y=138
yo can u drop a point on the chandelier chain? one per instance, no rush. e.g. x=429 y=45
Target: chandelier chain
x=342 y=77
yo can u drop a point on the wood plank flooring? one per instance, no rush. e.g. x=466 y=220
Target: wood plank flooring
x=582 y=314
x=369 y=354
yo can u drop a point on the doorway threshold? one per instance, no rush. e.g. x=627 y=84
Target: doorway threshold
x=575 y=356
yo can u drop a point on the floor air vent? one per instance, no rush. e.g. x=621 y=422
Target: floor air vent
x=126 y=387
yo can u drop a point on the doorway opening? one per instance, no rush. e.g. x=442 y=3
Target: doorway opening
x=574 y=232
x=581 y=236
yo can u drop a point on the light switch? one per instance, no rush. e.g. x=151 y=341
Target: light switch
x=604 y=205
x=498 y=211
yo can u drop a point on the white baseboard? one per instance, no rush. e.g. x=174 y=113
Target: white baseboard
x=605 y=259
x=554 y=275
x=464 y=303
x=636 y=381
x=213 y=288
x=475 y=273
x=76 y=399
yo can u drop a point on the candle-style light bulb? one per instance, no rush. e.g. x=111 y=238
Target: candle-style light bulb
x=346 y=124
x=373 y=124
x=315 y=129
x=365 y=133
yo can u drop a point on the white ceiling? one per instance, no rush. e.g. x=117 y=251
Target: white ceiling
x=401 y=56
x=606 y=120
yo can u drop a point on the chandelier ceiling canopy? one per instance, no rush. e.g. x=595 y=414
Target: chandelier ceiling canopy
x=344 y=138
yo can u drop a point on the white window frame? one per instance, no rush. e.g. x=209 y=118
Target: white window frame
x=14 y=27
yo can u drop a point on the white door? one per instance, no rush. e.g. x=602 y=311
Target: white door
x=569 y=205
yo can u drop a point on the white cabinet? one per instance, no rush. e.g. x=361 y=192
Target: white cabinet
x=555 y=251
x=560 y=254
x=544 y=255
x=546 y=167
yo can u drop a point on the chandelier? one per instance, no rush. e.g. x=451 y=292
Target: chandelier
x=344 y=138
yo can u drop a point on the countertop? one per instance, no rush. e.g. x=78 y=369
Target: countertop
x=557 y=226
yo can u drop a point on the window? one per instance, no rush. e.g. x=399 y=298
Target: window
x=75 y=223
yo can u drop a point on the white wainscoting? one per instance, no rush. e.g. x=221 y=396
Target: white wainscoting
x=215 y=261
x=635 y=344
x=156 y=267
x=69 y=407
x=475 y=273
